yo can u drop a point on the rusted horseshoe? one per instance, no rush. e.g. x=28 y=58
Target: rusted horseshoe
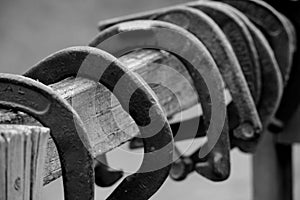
x=240 y=40
x=243 y=46
x=272 y=82
x=273 y=26
x=197 y=60
x=214 y=39
x=67 y=130
x=248 y=60
x=135 y=97
x=235 y=31
x=276 y=28
x=216 y=42
x=207 y=31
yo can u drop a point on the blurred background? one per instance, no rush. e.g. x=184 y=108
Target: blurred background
x=31 y=30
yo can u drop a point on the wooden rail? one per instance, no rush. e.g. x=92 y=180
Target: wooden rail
x=108 y=125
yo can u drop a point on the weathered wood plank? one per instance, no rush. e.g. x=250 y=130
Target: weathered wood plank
x=106 y=122
x=23 y=152
x=3 y=164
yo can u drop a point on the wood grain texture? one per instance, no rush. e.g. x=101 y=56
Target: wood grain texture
x=3 y=164
x=108 y=125
x=23 y=152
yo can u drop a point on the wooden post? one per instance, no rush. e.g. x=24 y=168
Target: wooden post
x=272 y=170
x=273 y=163
x=22 y=156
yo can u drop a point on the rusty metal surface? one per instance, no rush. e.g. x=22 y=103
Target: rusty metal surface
x=100 y=66
x=184 y=38
x=240 y=40
x=286 y=26
x=272 y=82
x=207 y=31
x=250 y=58
x=274 y=28
x=22 y=94
x=165 y=36
x=217 y=44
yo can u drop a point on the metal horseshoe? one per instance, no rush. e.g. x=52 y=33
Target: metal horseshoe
x=207 y=31
x=240 y=38
x=216 y=42
x=274 y=27
x=248 y=62
x=67 y=130
x=158 y=35
x=135 y=97
x=272 y=82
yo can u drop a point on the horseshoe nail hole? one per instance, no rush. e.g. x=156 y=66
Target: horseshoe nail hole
x=244 y=131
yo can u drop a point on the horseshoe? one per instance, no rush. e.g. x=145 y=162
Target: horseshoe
x=97 y=65
x=67 y=130
x=216 y=42
x=239 y=38
x=161 y=35
x=212 y=36
x=249 y=63
x=272 y=82
x=274 y=27
x=207 y=31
